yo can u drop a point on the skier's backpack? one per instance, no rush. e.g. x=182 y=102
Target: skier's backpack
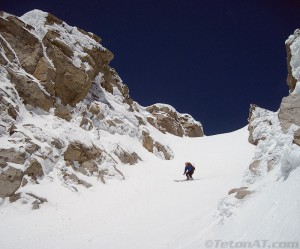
x=193 y=167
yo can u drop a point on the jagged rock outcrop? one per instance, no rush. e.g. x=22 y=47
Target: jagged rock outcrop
x=256 y=116
x=60 y=105
x=166 y=119
x=293 y=59
x=156 y=147
x=85 y=159
x=276 y=136
x=34 y=170
x=240 y=193
x=289 y=113
x=57 y=66
x=127 y=157
x=279 y=131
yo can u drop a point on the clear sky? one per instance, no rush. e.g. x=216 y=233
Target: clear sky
x=208 y=58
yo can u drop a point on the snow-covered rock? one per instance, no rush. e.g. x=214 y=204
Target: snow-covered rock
x=65 y=111
x=277 y=140
x=162 y=117
x=293 y=59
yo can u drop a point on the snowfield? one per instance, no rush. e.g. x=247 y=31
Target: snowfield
x=150 y=210
x=147 y=210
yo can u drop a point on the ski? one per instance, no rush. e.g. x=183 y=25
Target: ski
x=181 y=180
x=186 y=180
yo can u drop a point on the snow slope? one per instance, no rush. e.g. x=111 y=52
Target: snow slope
x=147 y=210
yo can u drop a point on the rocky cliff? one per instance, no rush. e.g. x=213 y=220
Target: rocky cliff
x=65 y=113
x=276 y=136
x=279 y=131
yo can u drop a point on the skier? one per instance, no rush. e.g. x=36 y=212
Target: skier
x=189 y=171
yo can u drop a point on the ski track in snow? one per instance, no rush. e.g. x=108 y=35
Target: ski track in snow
x=147 y=210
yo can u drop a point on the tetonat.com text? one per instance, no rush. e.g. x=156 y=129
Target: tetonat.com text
x=251 y=244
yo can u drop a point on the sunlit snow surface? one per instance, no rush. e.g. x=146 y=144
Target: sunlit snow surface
x=150 y=210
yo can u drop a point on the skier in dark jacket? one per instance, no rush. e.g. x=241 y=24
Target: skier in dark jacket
x=189 y=171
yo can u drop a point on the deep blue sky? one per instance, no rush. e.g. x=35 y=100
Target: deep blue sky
x=208 y=58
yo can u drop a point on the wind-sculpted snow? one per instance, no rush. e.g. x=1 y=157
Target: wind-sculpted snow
x=293 y=59
x=275 y=150
x=276 y=157
x=266 y=203
x=276 y=136
x=294 y=41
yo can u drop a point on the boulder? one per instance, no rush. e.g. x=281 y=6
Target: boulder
x=11 y=155
x=34 y=170
x=10 y=181
x=240 y=192
x=254 y=167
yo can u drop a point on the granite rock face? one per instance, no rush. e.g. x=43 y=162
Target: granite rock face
x=60 y=105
